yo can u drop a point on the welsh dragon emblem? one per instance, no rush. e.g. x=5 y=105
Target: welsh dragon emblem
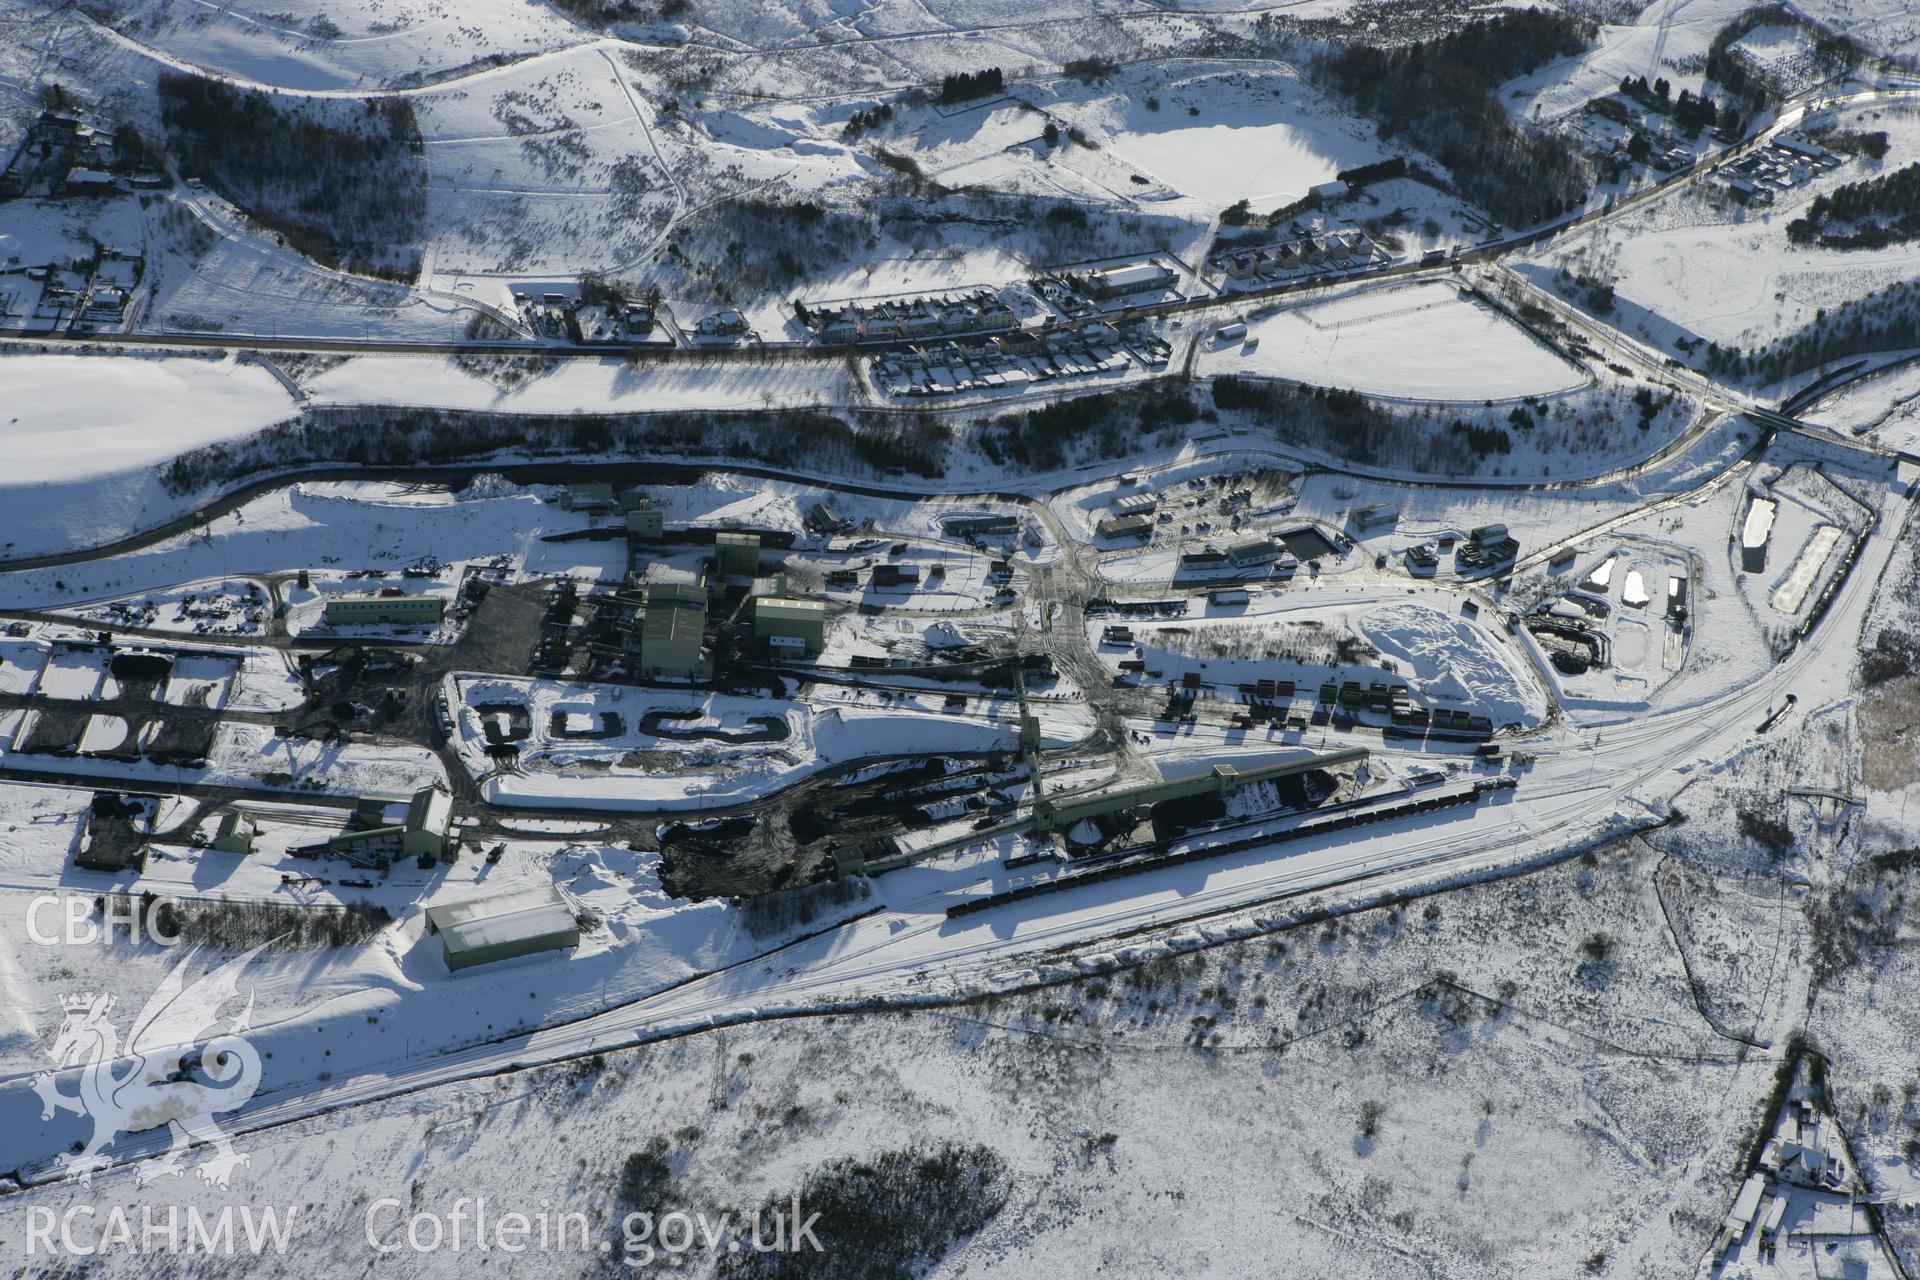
x=182 y=1066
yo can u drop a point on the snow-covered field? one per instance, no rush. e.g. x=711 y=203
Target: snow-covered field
x=1263 y=136
x=353 y=525
x=1416 y=342
x=1408 y=1124
x=1696 y=264
x=1659 y=40
x=349 y=1009
x=1885 y=408
x=83 y=435
x=316 y=46
x=79 y=417
x=577 y=386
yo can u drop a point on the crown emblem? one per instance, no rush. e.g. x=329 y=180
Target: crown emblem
x=79 y=1003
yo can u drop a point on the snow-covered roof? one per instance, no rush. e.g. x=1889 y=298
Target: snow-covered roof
x=1138 y=273
x=523 y=915
x=1747 y=1203
x=430 y=810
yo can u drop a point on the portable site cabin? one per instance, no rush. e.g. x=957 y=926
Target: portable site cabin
x=400 y=610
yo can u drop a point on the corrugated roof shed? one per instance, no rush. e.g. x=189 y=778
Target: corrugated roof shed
x=1747 y=1203
x=480 y=930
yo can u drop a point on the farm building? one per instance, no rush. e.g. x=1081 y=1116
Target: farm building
x=484 y=930
x=89 y=181
x=1803 y=150
x=1746 y=1205
x=401 y=610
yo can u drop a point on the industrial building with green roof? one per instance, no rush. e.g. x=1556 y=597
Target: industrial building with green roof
x=673 y=631
x=425 y=830
x=790 y=627
x=522 y=923
x=361 y=611
x=736 y=554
